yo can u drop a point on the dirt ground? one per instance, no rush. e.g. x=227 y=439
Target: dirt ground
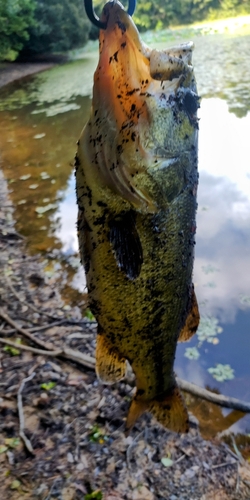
x=61 y=432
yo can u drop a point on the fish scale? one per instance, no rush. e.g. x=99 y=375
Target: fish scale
x=136 y=183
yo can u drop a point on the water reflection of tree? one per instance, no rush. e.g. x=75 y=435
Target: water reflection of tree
x=210 y=416
x=228 y=77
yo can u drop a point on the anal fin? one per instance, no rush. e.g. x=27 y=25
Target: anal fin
x=192 y=321
x=137 y=408
x=110 y=365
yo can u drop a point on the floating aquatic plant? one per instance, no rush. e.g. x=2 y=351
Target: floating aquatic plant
x=222 y=372
x=39 y=136
x=44 y=175
x=209 y=269
x=24 y=177
x=210 y=284
x=208 y=329
x=42 y=210
x=192 y=353
x=245 y=300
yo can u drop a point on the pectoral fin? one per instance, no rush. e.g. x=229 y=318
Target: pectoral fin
x=126 y=245
x=110 y=365
x=170 y=411
x=192 y=321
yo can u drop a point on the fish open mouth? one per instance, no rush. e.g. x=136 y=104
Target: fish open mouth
x=131 y=83
x=121 y=39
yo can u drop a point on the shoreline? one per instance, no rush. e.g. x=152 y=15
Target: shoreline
x=10 y=72
x=76 y=408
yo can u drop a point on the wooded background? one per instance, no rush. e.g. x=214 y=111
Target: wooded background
x=32 y=27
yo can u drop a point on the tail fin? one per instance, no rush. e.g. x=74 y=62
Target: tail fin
x=170 y=411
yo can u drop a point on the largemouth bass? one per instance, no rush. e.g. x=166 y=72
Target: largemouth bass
x=136 y=183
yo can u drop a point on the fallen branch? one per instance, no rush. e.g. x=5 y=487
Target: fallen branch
x=24 y=332
x=36 y=328
x=65 y=352
x=89 y=362
x=218 y=399
x=21 y=414
x=22 y=347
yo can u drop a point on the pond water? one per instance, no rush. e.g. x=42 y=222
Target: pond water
x=41 y=120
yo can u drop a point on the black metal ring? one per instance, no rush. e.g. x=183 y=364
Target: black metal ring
x=96 y=21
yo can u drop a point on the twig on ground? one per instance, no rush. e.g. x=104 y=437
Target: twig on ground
x=65 y=352
x=30 y=349
x=223 y=465
x=37 y=328
x=25 y=332
x=21 y=414
x=237 y=451
x=238 y=479
x=180 y=458
x=218 y=399
x=89 y=362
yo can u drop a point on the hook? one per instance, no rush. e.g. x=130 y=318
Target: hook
x=96 y=21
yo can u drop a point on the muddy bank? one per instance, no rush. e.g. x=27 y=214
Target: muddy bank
x=73 y=425
x=74 y=446
x=10 y=72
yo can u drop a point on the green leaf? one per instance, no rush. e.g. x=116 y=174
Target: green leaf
x=89 y=315
x=3 y=448
x=11 y=350
x=12 y=442
x=95 y=495
x=48 y=385
x=15 y=484
x=167 y=462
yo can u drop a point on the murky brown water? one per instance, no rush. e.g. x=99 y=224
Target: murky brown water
x=41 y=120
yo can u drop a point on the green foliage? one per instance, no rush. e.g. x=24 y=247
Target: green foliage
x=61 y=26
x=16 y=17
x=159 y=14
x=48 y=385
x=230 y=8
x=12 y=350
x=95 y=495
x=97 y=435
x=89 y=315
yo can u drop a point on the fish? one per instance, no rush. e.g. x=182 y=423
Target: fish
x=136 y=185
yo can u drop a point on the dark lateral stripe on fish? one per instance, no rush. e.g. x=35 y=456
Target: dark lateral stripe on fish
x=126 y=244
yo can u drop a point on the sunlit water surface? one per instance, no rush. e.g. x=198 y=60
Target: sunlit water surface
x=41 y=119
